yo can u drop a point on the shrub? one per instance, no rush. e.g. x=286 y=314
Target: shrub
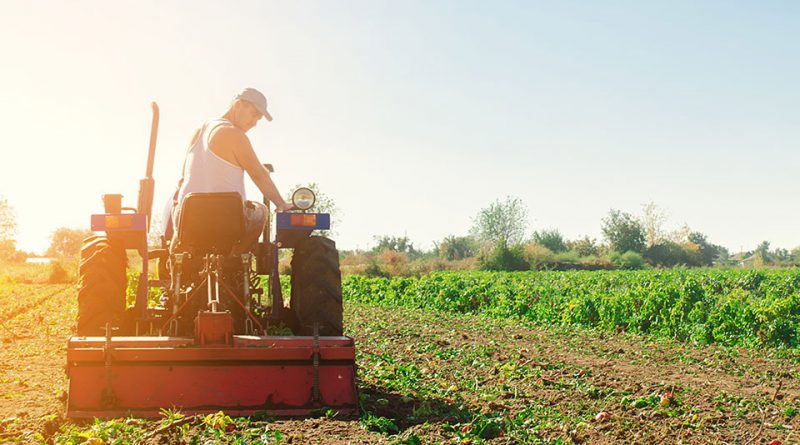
x=568 y=257
x=551 y=239
x=670 y=254
x=57 y=274
x=503 y=257
x=538 y=255
x=394 y=263
x=457 y=247
x=628 y=260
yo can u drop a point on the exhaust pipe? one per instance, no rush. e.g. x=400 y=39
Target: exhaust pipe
x=147 y=184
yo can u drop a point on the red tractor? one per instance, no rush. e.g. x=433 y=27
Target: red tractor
x=204 y=344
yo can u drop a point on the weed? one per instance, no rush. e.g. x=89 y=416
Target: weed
x=379 y=424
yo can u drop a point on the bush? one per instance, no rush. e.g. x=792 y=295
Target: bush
x=551 y=239
x=670 y=254
x=571 y=257
x=502 y=257
x=628 y=260
x=457 y=247
x=394 y=263
x=538 y=255
x=57 y=274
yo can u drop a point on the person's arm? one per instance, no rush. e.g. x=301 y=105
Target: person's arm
x=245 y=156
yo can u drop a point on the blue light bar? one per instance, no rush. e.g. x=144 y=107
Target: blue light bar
x=119 y=222
x=303 y=221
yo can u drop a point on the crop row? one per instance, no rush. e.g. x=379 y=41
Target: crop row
x=731 y=307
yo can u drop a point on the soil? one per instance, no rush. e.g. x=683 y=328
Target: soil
x=428 y=377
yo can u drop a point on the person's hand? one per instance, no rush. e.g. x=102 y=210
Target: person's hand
x=285 y=207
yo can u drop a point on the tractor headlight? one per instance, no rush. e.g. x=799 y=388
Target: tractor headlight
x=303 y=198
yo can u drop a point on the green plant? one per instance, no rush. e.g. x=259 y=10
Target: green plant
x=379 y=424
x=732 y=307
x=504 y=257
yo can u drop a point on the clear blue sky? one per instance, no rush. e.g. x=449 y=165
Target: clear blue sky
x=414 y=115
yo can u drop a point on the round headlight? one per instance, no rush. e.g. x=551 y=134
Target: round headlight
x=303 y=198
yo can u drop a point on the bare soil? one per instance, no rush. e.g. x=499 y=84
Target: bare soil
x=433 y=377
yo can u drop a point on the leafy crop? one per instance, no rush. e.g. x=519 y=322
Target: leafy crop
x=730 y=307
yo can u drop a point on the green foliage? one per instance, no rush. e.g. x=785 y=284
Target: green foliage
x=457 y=247
x=153 y=293
x=670 y=254
x=504 y=221
x=623 y=232
x=762 y=252
x=570 y=257
x=709 y=253
x=552 y=239
x=732 y=307
x=379 y=424
x=503 y=257
x=394 y=243
x=628 y=260
x=584 y=247
x=538 y=256
x=115 y=431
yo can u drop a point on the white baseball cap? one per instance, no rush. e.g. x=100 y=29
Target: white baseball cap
x=255 y=97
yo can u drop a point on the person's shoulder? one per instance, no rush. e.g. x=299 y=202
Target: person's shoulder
x=228 y=133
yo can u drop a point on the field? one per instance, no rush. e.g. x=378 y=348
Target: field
x=486 y=358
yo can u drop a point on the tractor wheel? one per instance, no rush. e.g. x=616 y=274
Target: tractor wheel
x=102 y=285
x=317 y=287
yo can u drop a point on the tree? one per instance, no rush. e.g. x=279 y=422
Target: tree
x=551 y=239
x=679 y=235
x=8 y=229
x=709 y=253
x=457 y=247
x=782 y=256
x=394 y=243
x=583 y=246
x=504 y=257
x=653 y=219
x=670 y=254
x=505 y=221
x=65 y=242
x=762 y=252
x=623 y=232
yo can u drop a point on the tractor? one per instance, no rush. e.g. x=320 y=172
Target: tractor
x=208 y=334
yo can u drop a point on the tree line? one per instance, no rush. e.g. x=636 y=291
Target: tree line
x=499 y=240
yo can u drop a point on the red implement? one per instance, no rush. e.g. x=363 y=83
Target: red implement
x=277 y=375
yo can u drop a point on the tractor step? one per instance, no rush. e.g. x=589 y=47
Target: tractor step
x=275 y=375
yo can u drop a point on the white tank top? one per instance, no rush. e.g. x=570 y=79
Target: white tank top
x=206 y=172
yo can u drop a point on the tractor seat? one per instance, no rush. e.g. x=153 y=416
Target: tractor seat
x=210 y=223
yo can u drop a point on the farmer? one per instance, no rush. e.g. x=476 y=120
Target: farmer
x=217 y=158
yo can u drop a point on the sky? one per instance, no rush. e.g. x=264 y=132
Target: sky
x=412 y=116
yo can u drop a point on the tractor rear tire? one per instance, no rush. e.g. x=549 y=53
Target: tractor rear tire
x=102 y=286
x=317 y=287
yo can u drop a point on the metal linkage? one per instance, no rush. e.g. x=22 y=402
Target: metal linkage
x=257 y=325
x=108 y=398
x=212 y=269
x=176 y=289
x=246 y=261
x=315 y=352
